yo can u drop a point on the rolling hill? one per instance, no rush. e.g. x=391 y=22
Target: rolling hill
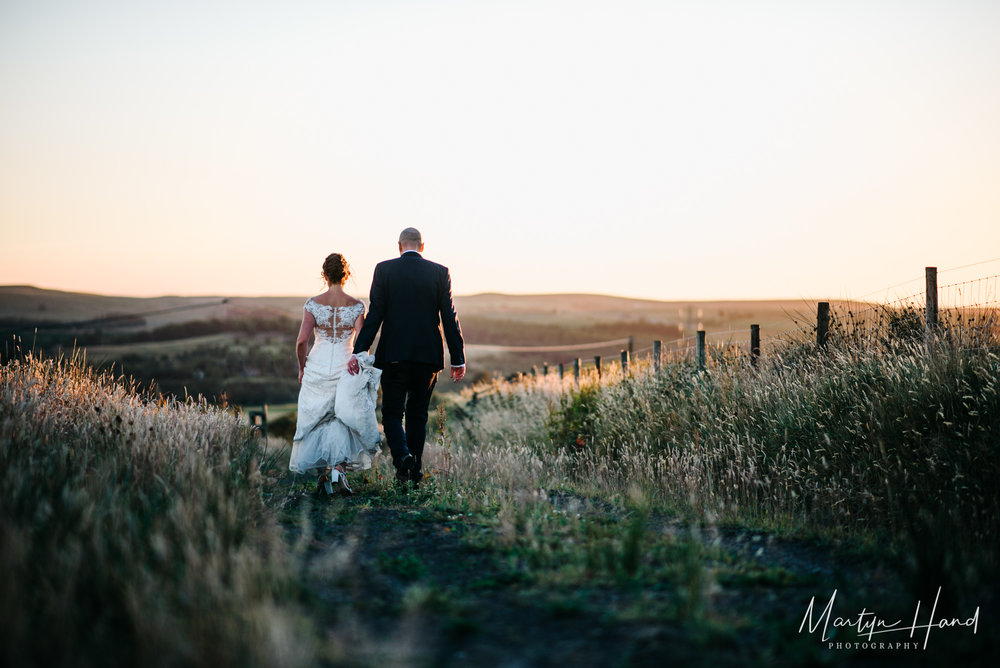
x=31 y=306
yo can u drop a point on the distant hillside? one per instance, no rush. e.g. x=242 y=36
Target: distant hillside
x=31 y=305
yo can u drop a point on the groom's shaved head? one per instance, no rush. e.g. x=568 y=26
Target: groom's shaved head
x=410 y=237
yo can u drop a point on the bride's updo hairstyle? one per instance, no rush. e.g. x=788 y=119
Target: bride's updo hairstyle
x=335 y=269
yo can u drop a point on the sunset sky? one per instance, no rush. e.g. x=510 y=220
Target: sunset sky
x=667 y=150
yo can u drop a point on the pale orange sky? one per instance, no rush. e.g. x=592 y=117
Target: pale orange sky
x=668 y=150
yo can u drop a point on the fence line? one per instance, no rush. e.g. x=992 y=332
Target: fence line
x=974 y=304
x=919 y=278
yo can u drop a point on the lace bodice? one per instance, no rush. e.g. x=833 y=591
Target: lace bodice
x=334 y=323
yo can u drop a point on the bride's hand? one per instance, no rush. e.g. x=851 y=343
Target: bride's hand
x=300 y=375
x=352 y=366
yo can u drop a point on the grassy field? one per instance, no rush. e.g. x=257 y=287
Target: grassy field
x=684 y=516
x=105 y=354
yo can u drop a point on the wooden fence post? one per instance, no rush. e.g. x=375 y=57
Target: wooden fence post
x=625 y=356
x=562 y=371
x=597 y=364
x=576 y=369
x=631 y=344
x=754 y=344
x=258 y=420
x=701 y=350
x=545 y=369
x=822 y=323
x=657 y=352
x=931 y=297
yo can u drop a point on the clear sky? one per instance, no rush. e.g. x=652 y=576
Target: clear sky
x=669 y=150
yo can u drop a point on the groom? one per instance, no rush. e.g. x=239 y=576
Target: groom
x=411 y=300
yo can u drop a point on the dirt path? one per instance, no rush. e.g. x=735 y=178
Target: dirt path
x=395 y=584
x=416 y=594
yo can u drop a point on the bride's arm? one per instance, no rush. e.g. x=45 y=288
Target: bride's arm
x=302 y=341
x=358 y=324
x=352 y=364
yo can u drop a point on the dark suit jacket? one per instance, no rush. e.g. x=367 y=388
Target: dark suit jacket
x=411 y=300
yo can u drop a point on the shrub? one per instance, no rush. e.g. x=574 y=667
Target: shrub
x=572 y=422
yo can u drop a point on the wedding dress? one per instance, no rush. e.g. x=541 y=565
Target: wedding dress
x=322 y=438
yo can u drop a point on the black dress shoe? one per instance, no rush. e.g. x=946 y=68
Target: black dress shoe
x=403 y=470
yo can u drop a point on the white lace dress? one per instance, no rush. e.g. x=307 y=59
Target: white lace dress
x=321 y=438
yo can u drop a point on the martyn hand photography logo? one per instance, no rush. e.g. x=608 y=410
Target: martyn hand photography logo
x=868 y=624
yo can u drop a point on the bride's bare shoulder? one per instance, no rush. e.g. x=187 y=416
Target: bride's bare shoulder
x=324 y=299
x=342 y=301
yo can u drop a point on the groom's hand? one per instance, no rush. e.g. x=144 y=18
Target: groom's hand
x=352 y=366
x=457 y=373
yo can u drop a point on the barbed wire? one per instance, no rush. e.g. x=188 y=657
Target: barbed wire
x=966 y=266
x=920 y=278
x=974 y=280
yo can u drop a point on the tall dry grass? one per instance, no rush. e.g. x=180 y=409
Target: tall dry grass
x=884 y=437
x=132 y=530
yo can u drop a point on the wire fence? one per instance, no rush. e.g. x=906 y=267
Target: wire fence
x=971 y=310
x=965 y=312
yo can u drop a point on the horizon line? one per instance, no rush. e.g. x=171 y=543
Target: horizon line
x=457 y=296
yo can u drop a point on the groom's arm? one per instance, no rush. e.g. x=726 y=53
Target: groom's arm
x=449 y=322
x=376 y=311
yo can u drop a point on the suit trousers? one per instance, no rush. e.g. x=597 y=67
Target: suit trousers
x=406 y=390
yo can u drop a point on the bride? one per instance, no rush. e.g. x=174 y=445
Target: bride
x=333 y=433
